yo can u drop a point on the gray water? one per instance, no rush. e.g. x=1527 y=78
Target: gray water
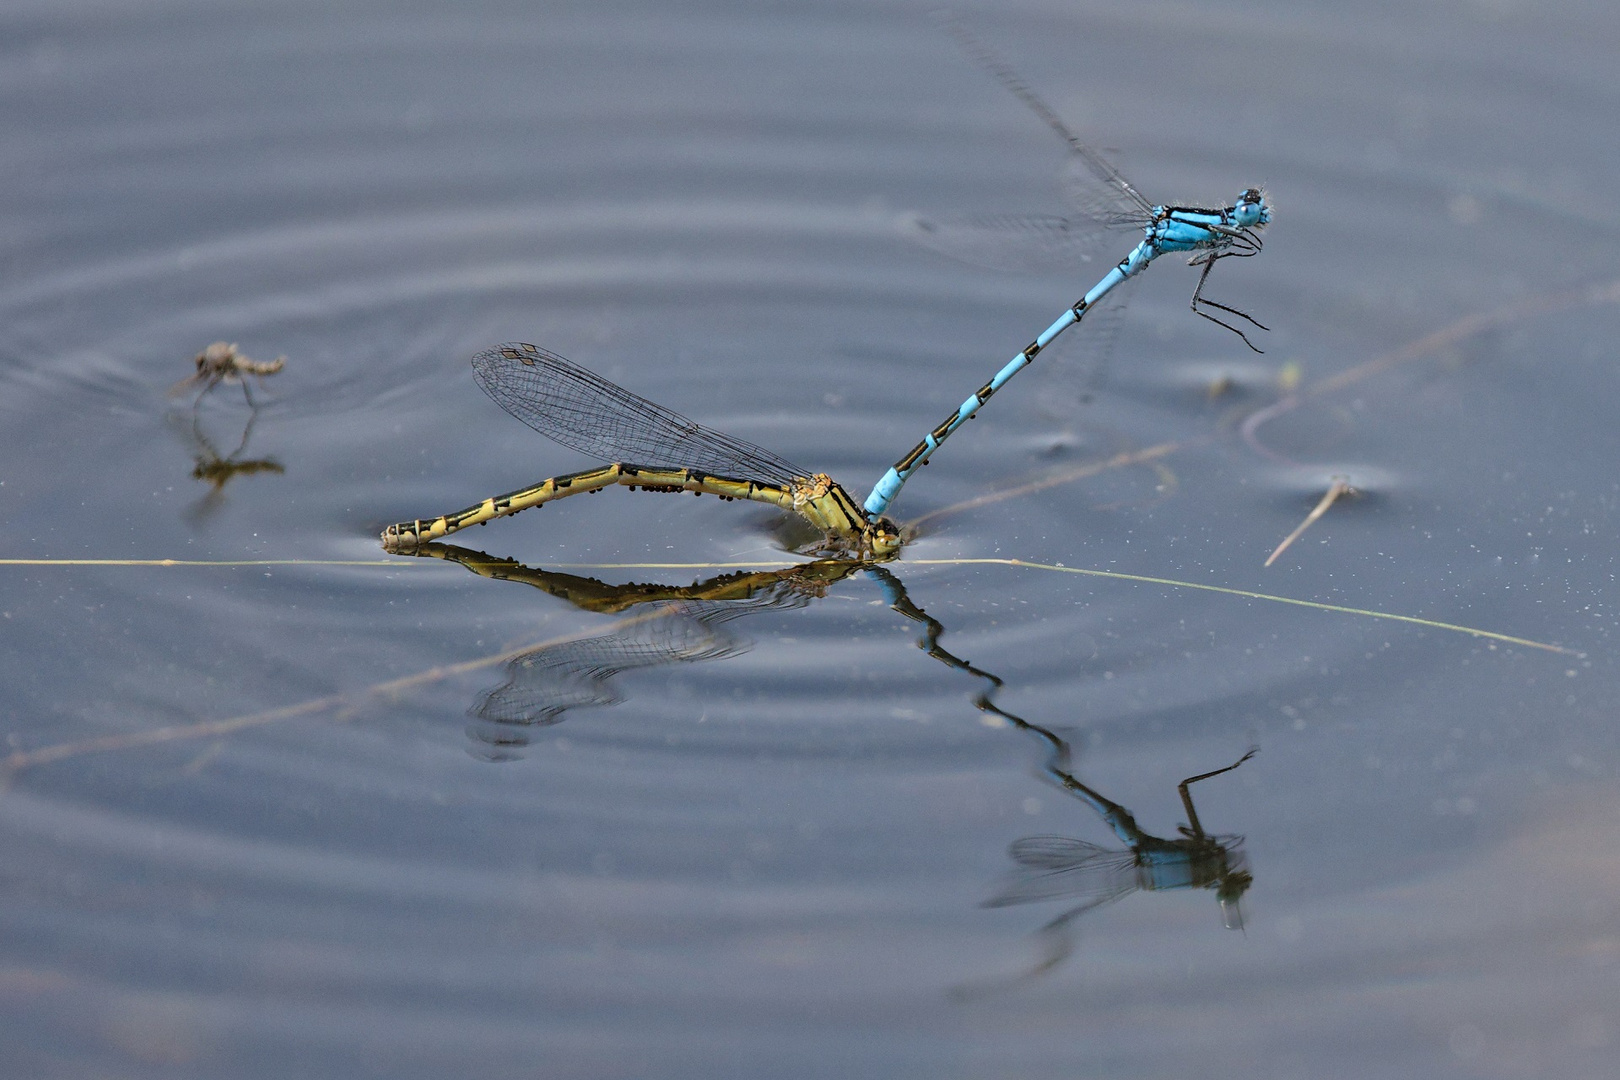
x=269 y=820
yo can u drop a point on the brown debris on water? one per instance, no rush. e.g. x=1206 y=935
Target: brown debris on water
x=1339 y=487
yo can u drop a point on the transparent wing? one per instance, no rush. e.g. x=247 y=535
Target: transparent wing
x=1079 y=359
x=1036 y=244
x=1060 y=867
x=1112 y=199
x=1098 y=198
x=1030 y=243
x=585 y=412
x=187 y=385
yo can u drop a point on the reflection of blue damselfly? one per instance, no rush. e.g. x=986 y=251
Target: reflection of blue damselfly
x=1106 y=201
x=1067 y=868
x=1060 y=867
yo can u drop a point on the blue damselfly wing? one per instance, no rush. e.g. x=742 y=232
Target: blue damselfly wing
x=1037 y=244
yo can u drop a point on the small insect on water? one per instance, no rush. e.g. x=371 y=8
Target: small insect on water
x=223 y=362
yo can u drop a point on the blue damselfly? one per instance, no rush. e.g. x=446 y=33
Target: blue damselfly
x=1106 y=201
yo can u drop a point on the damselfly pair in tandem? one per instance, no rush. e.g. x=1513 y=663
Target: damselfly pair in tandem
x=655 y=449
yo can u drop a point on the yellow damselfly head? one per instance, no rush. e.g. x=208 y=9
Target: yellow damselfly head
x=884 y=537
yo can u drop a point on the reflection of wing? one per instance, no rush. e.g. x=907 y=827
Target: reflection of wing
x=1059 y=867
x=543 y=684
x=546 y=683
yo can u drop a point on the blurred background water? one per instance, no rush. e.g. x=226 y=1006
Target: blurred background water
x=313 y=818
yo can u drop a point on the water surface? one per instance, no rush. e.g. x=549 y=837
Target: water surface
x=338 y=814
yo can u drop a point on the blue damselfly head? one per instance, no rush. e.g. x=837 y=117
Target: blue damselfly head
x=1252 y=210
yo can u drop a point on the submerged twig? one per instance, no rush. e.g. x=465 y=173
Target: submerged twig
x=1606 y=292
x=1067 y=476
x=342 y=706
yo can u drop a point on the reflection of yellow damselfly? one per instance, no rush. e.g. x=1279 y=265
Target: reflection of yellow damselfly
x=802 y=581
x=651 y=447
x=670 y=624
